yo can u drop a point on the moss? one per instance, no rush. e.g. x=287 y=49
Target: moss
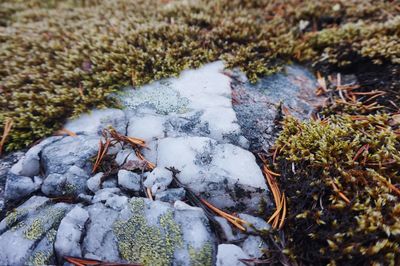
x=342 y=208
x=61 y=58
x=146 y=244
x=202 y=257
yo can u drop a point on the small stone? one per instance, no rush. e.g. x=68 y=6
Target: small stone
x=129 y=180
x=117 y=202
x=70 y=232
x=72 y=183
x=229 y=255
x=158 y=180
x=125 y=155
x=104 y=194
x=171 y=195
x=93 y=183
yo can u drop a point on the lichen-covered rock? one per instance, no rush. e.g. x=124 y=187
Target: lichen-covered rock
x=94 y=122
x=226 y=175
x=28 y=233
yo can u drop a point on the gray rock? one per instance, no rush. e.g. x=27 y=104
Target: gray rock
x=104 y=194
x=171 y=195
x=19 y=187
x=229 y=255
x=110 y=183
x=129 y=180
x=158 y=180
x=69 y=233
x=59 y=156
x=256 y=104
x=93 y=183
x=253 y=246
x=125 y=155
x=94 y=122
x=72 y=183
x=29 y=164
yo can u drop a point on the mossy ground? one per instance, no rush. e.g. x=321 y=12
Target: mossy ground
x=61 y=58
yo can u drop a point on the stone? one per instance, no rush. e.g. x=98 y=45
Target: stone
x=59 y=156
x=93 y=183
x=72 y=183
x=230 y=255
x=171 y=195
x=69 y=233
x=158 y=180
x=29 y=164
x=129 y=180
x=104 y=194
x=94 y=122
x=253 y=246
x=226 y=175
x=18 y=187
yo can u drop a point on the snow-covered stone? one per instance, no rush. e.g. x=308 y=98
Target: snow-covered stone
x=158 y=180
x=253 y=246
x=225 y=174
x=230 y=255
x=129 y=180
x=69 y=233
x=94 y=122
x=255 y=223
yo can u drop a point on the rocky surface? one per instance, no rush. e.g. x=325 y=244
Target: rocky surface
x=204 y=125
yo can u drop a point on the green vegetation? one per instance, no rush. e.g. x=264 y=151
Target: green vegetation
x=342 y=196
x=61 y=58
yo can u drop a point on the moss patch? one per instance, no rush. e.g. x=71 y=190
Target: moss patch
x=61 y=58
x=343 y=202
x=202 y=257
x=149 y=245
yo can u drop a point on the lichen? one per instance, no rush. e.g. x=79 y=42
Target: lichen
x=202 y=257
x=40 y=258
x=15 y=216
x=35 y=230
x=150 y=245
x=61 y=58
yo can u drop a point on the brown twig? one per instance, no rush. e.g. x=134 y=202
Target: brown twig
x=7 y=128
x=103 y=148
x=91 y=262
x=341 y=194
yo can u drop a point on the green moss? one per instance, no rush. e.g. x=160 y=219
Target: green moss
x=342 y=209
x=149 y=245
x=202 y=257
x=61 y=58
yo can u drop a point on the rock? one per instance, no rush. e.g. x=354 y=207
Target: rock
x=104 y=194
x=29 y=164
x=225 y=228
x=253 y=246
x=256 y=104
x=256 y=223
x=226 y=175
x=94 y=122
x=30 y=232
x=59 y=156
x=171 y=195
x=69 y=233
x=19 y=187
x=158 y=180
x=72 y=183
x=125 y=155
x=229 y=255
x=129 y=180
x=93 y=183
x=198 y=103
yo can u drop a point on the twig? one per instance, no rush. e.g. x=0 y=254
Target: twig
x=7 y=128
